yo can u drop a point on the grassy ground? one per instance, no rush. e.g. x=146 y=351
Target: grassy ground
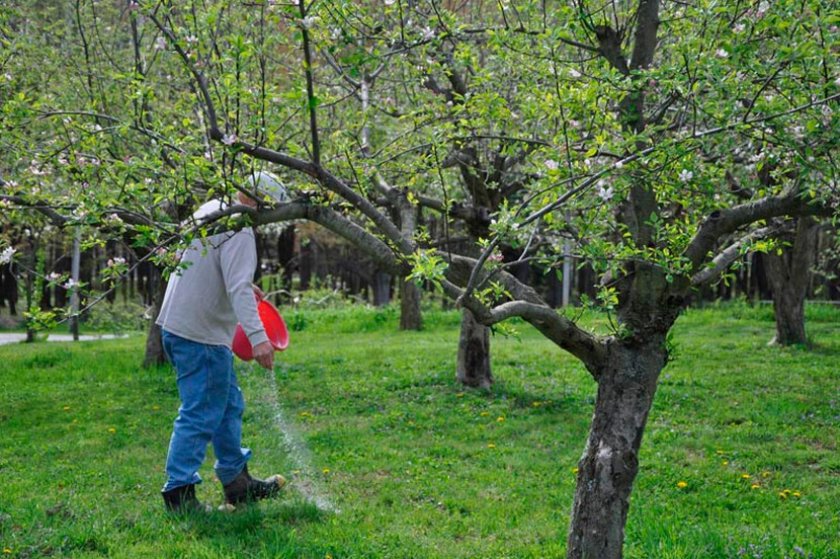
x=740 y=457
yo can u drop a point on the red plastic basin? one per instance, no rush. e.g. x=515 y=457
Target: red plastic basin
x=275 y=329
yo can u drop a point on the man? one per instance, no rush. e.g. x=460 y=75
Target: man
x=198 y=317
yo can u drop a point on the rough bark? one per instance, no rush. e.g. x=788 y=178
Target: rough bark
x=789 y=274
x=155 y=355
x=473 y=367
x=410 y=316
x=610 y=461
x=381 y=288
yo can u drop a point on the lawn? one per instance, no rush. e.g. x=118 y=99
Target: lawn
x=390 y=458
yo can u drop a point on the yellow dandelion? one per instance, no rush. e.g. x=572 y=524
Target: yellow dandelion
x=786 y=491
x=783 y=495
x=536 y=404
x=745 y=476
x=755 y=486
x=725 y=463
x=6 y=550
x=296 y=472
x=491 y=445
x=682 y=484
x=155 y=407
x=459 y=395
x=575 y=470
x=765 y=474
x=484 y=413
x=500 y=419
x=797 y=494
x=720 y=452
x=112 y=430
x=326 y=470
x=66 y=408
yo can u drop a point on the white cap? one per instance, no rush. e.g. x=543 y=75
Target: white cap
x=267 y=184
x=208 y=208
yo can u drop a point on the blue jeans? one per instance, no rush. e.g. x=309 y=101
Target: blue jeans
x=211 y=411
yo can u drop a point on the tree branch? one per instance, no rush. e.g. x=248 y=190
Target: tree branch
x=587 y=347
x=724 y=222
x=721 y=262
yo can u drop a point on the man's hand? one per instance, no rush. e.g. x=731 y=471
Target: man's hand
x=258 y=292
x=264 y=354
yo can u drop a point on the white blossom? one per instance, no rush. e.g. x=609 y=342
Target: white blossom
x=390 y=2
x=116 y=261
x=574 y=73
x=686 y=175
x=34 y=169
x=53 y=276
x=428 y=33
x=160 y=43
x=605 y=193
x=114 y=218
x=619 y=164
x=551 y=164
x=7 y=255
x=308 y=22
x=229 y=139
x=739 y=28
x=721 y=53
x=70 y=284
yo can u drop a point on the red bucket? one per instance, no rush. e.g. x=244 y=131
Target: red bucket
x=275 y=329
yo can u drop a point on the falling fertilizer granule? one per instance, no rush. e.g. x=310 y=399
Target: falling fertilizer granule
x=304 y=482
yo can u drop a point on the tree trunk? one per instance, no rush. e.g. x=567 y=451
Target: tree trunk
x=155 y=355
x=473 y=368
x=410 y=316
x=609 y=464
x=381 y=289
x=789 y=274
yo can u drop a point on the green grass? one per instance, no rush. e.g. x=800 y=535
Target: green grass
x=420 y=467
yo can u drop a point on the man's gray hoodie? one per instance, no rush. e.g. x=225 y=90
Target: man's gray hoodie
x=204 y=301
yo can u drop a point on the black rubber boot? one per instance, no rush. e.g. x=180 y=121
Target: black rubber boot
x=245 y=488
x=183 y=500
